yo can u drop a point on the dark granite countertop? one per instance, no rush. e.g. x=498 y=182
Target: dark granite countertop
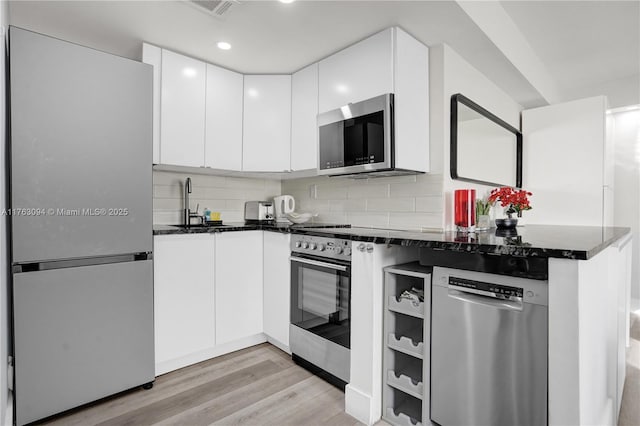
x=241 y=226
x=568 y=242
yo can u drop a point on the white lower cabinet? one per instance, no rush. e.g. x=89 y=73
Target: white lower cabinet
x=238 y=278
x=277 y=288
x=207 y=296
x=184 y=299
x=363 y=394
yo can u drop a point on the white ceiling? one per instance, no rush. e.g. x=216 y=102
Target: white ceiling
x=586 y=47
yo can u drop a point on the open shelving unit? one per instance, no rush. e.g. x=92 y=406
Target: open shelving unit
x=405 y=395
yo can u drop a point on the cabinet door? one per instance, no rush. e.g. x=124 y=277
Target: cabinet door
x=277 y=286
x=304 y=113
x=238 y=285
x=183 y=295
x=356 y=73
x=152 y=55
x=267 y=123
x=411 y=102
x=182 y=110
x=367 y=263
x=223 y=132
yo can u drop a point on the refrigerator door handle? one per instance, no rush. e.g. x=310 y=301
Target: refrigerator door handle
x=74 y=263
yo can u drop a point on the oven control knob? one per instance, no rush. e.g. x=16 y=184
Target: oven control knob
x=321 y=247
x=298 y=244
x=338 y=250
x=305 y=245
x=312 y=246
x=347 y=251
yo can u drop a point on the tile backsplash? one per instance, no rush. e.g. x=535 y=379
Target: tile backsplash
x=412 y=202
x=223 y=194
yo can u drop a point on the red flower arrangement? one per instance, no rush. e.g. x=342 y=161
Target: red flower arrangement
x=516 y=200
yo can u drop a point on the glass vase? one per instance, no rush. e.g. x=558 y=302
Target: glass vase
x=483 y=223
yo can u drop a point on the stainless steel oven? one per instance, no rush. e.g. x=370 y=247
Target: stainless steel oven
x=320 y=331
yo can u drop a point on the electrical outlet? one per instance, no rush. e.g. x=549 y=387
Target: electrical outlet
x=313 y=191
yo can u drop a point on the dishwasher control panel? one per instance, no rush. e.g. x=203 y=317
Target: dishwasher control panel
x=502 y=290
x=522 y=290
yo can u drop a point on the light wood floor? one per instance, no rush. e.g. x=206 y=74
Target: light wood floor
x=255 y=386
x=262 y=386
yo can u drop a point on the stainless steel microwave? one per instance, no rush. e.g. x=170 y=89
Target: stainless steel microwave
x=357 y=138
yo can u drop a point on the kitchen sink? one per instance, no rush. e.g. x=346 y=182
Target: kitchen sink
x=199 y=226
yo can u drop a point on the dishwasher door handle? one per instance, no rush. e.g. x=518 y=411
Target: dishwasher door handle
x=486 y=300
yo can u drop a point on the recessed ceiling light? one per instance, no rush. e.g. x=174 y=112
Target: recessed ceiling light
x=224 y=45
x=286 y=1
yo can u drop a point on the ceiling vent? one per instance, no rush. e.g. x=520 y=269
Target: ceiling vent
x=214 y=7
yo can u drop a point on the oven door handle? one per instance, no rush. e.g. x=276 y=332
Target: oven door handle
x=318 y=263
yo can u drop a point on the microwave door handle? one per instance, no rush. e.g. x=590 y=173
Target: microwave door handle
x=318 y=263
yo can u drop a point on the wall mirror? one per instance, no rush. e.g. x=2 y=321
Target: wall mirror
x=484 y=148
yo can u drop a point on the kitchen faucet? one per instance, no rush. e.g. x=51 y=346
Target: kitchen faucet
x=187 y=215
x=187 y=211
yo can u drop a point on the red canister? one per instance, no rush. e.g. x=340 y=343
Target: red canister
x=465 y=209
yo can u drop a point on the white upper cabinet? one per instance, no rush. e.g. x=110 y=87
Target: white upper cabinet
x=358 y=72
x=267 y=123
x=304 y=113
x=152 y=55
x=223 y=135
x=207 y=116
x=182 y=114
x=411 y=103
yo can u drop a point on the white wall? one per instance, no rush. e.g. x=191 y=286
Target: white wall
x=627 y=185
x=458 y=76
x=4 y=256
x=564 y=166
x=226 y=195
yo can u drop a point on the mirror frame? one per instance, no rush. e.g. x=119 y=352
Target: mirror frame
x=453 y=159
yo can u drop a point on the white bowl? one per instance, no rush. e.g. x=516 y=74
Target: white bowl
x=299 y=217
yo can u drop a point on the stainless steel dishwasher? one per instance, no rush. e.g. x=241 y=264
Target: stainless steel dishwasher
x=488 y=349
